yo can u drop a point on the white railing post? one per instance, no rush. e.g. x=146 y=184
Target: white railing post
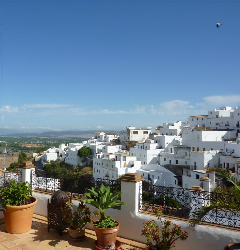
x=27 y=168
x=130 y=187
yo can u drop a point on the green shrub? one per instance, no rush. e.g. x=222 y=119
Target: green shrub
x=16 y=194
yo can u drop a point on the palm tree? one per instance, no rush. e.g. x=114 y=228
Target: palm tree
x=221 y=198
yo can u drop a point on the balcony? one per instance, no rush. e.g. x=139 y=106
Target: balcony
x=217 y=229
x=39 y=238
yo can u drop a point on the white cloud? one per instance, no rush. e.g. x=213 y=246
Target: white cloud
x=108 y=112
x=174 y=107
x=9 y=109
x=138 y=110
x=222 y=100
x=99 y=127
x=46 y=105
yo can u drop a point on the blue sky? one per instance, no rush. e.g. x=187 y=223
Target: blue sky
x=110 y=64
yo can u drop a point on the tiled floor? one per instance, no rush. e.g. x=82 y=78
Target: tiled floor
x=39 y=238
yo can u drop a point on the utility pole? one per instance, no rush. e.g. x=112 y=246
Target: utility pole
x=4 y=155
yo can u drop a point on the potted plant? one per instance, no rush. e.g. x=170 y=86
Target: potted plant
x=164 y=237
x=106 y=228
x=76 y=220
x=17 y=204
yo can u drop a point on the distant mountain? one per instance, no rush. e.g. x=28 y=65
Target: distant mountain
x=67 y=133
x=6 y=131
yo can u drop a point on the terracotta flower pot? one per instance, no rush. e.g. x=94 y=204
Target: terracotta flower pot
x=106 y=237
x=18 y=219
x=76 y=235
x=232 y=246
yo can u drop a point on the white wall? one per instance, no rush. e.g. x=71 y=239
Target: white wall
x=131 y=224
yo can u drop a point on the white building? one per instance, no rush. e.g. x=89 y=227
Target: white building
x=54 y=154
x=146 y=152
x=114 y=165
x=172 y=128
x=71 y=154
x=135 y=134
x=158 y=175
x=105 y=137
x=224 y=118
x=202 y=178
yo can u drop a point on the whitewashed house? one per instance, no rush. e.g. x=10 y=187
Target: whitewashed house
x=54 y=154
x=114 y=165
x=71 y=154
x=202 y=178
x=158 y=175
x=105 y=137
x=146 y=152
x=135 y=134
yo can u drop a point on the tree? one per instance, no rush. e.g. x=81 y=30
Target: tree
x=55 y=170
x=221 y=198
x=22 y=157
x=84 y=152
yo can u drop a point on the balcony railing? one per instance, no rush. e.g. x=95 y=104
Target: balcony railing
x=183 y=203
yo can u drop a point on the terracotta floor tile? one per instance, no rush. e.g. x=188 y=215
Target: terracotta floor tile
x=22 y=247
x=11 y=237
x=2 y=238
x=7 y=243
x=74 y=248
x=38 y=238
x=3 y=247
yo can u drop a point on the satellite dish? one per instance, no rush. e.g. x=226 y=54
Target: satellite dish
x=218 y=25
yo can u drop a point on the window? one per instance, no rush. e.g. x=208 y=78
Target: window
x=164 y=159
x=197 y=176
x=169 y=161
x=204 y=149
x=145 y=132
x=216 y=116
x=193 y=148
x=152 y=176
x=202 y=119
x=192 y=119
x=185 y=153
x=176 y=161
x=171 y=150
x=135 y=132
x=185 y=162
x=197 y=118
x=197 y=149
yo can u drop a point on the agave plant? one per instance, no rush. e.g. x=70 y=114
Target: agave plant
x=221 y=198
x=102 y=199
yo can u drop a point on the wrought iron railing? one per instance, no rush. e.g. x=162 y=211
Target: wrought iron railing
x=184 y=203
x=115 y=185
x=6 y=177
x=77 y=185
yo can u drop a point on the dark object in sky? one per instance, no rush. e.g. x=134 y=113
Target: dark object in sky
x=218 y=25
